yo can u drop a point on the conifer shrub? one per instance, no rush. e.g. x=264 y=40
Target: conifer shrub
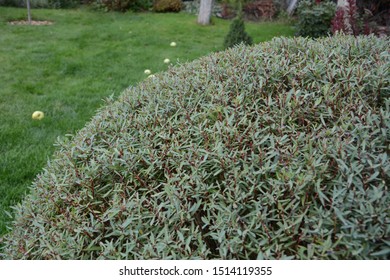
x=274 y=151
x=237 y=34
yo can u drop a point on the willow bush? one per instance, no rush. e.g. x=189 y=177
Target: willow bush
x=274 y=151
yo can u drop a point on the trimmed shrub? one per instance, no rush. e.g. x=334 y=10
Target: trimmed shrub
x=61 y=4
x=22 y=3
x=142 y=5
x=116 y=5
x=41 y=3
x=165 y=6
x=123 y=5
x=274 y=151
x=237 y=34
x=314 y=19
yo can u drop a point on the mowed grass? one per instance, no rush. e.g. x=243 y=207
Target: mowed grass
x=68 y=68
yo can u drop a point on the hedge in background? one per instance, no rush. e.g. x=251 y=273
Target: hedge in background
x=123 y=5
x=274 y=151
x=315 y=19
x=165 y=6
x=42 y=3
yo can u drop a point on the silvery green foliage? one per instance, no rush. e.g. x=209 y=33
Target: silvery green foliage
x=268 y=152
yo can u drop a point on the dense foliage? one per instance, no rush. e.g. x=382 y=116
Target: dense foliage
x=164 y=6
x=314 y=19
x=42 y=3
x=279 y=150
x=123 y=5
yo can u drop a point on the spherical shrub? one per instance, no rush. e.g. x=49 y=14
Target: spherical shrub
x=274 y=151
x=164 y=6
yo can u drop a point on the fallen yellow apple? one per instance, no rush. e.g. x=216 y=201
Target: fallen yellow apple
x=38 y=115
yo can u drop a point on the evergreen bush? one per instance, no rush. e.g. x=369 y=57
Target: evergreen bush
x=275 y=151
x=315 y=18
x=237 y=34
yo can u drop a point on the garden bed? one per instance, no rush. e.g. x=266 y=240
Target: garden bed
x=33 y=22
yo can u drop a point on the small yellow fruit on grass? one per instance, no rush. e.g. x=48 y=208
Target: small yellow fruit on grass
x=166 y=60
x=38 y=115
x=173 y=44
x=147 y=72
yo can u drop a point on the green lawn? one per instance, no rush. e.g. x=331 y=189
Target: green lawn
x=68 y=68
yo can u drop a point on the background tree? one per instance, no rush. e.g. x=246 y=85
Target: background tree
x=28 y=12
x=292 y=4
x=205 y=9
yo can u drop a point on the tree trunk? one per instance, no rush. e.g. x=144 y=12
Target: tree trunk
x=205 y=12
x=342 y=3
x=28 y=12
x=291 y=6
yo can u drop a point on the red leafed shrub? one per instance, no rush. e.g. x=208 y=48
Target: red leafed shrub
x=264 y=9
x=354 y=19
x=345 y=19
